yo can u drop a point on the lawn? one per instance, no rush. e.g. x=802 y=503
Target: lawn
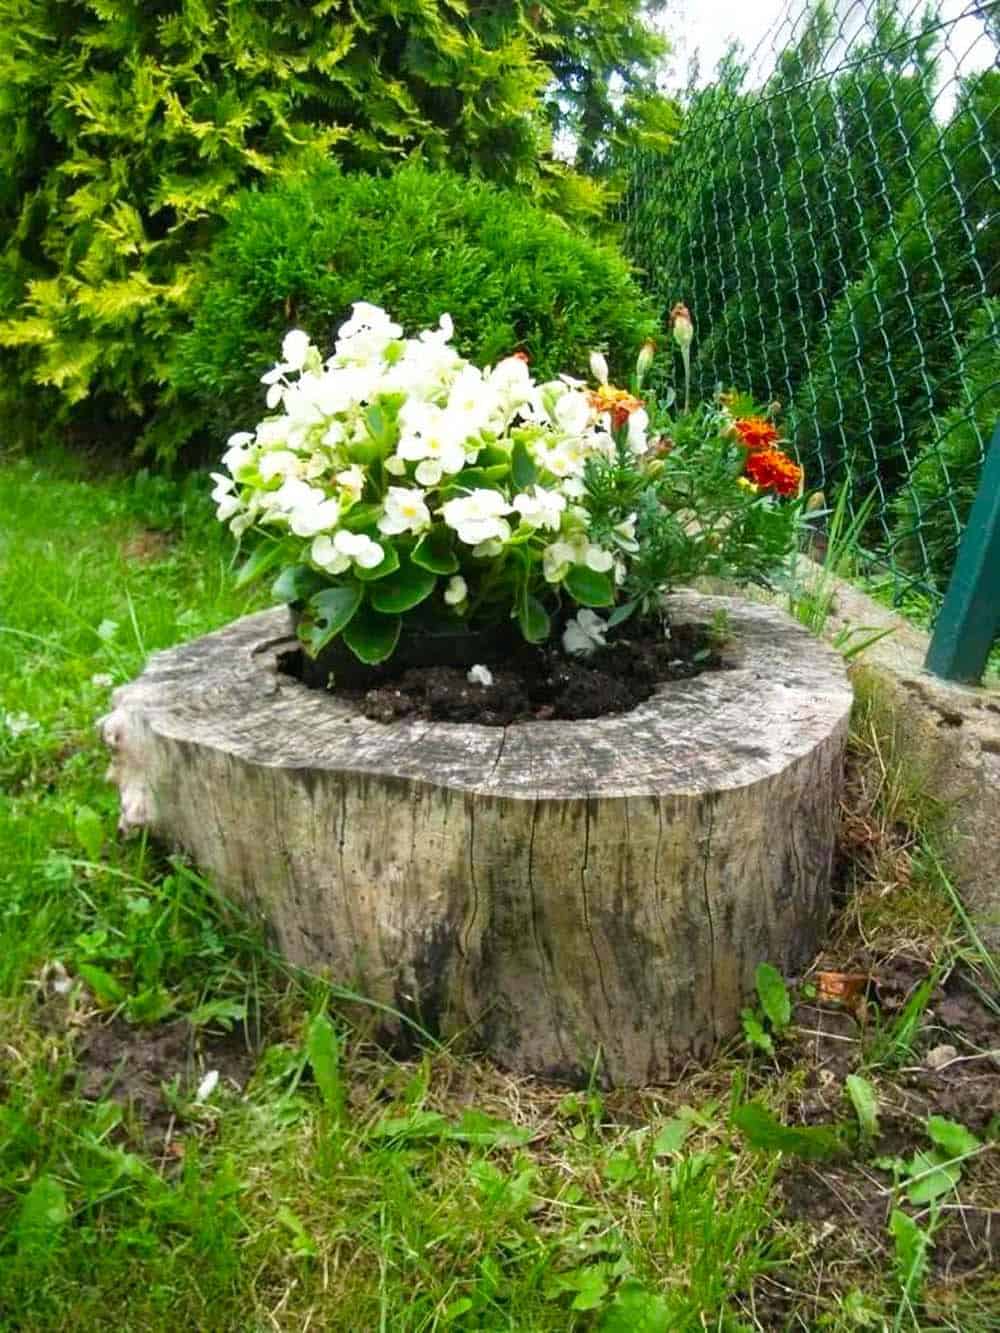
x=192 y=1135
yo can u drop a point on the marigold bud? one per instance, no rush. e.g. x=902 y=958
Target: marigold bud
x=599 y=368
x=681 y=326
x=645 y=358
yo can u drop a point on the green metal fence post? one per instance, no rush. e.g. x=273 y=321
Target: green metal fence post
x=969 y=620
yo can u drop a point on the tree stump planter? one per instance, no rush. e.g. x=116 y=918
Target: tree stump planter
x=560 y=891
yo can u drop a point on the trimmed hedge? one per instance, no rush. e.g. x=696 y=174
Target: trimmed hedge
x=419 y=243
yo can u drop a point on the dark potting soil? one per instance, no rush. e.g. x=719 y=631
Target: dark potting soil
x=539 y=683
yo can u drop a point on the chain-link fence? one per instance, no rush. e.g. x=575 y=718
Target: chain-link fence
x=830 y=216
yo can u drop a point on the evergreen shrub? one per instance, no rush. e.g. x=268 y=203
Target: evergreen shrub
x=420 y=244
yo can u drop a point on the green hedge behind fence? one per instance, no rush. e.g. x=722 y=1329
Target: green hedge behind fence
x=835 y=230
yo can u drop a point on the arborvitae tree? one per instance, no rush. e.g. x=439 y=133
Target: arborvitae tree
x=125 y=127
x=888 y=355
x=933 y=506
x=773 y=199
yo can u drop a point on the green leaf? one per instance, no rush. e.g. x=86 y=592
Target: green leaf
x=264 y=558
x=473 y=479
x=416 y=1125
x=763 y=1131
x=622 y=613
x=865 y=1102
x=591 y=1288
x=755 y=1032
x=486 y=1131
x=387 y=565
x=452 y=1312
x=931 y=1176
x=407 y=587
x=588 y=587
x=372 y=637
x=304 y=1246
x=670 y=1137
x=323 y=1050
x=107 y=988
x=534 y=620
x=89 y=829
x=332 y=609
x=218 y=1013
x=43 y=1213
x=911 y=1245
x=361 y=518
x=636 y=1309
x=435 y=550
x=951 y=1137
x=296 y=583
x=774 y=997
x=522 y=468
x=150 y=1005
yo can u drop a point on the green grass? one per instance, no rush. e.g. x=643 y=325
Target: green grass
x=322 y=1184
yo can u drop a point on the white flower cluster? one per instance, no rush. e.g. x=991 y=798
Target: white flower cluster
x=391 y=437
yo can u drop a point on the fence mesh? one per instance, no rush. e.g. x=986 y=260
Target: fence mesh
x=831 y=216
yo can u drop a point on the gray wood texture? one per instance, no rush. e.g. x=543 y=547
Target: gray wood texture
x=559 y=892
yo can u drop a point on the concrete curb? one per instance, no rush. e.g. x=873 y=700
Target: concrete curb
x=948 y=735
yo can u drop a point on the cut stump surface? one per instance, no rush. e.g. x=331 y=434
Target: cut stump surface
x=559 y=891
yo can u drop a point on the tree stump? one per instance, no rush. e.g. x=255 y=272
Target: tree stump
x=563 y=892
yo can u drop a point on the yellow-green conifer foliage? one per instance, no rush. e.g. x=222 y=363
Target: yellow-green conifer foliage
x=127 y=125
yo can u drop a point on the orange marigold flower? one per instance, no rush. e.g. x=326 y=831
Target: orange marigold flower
x=756 y=432
x=770 y=469
x=619 y=402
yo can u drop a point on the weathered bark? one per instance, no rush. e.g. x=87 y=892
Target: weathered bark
x=558 y=890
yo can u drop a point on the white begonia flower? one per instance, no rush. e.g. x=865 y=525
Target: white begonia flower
x=351 y=482
x=597 y=559
x=491 y=548
x=556 y=560
x=599 y=367
x=334 y=434
x=624 y=534
x=278 y=463
x=444 y=332
x=456 y=591
x=477 y=517
x=428 y=433
x=584 y=634
x=272 y=432
x=274 y=395
x=335 y=554
x=226 y=503
x=405 y=511
x=480 y=675
x=368 y=318
x=638 y=424
x=472 y=401
x=576 y=550
x=573 y=412
x=395 y=466
x=237 y=454
x=306 y=507
x=541 y=509
x=428 y=472
x=510 y=379
x=295 y=349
